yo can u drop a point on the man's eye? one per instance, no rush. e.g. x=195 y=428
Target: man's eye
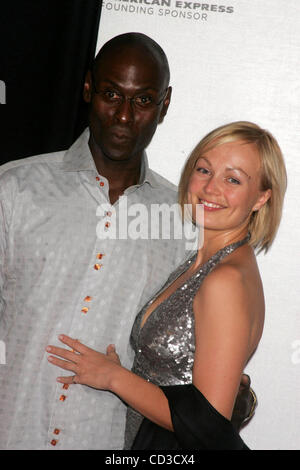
x=143 y=100
x=111 y=95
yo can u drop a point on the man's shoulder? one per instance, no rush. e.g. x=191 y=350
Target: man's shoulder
x=44 y=159
x=164 y=184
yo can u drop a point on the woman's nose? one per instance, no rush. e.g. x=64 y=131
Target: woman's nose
x=212 y=185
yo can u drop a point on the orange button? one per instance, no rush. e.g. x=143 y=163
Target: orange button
x=99 y=255
x=65 y=386
x=62 y=397
x=97 y=266
x=56 y=431
x=97 y=178
x=84 y=310
x=88 y=298
x=54 y=442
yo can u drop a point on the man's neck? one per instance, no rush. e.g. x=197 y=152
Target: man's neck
x=120 y=174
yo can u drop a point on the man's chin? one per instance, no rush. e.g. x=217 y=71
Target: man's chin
x=118 y=157
x=118 y=153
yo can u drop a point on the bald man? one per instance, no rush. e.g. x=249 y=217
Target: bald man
x=65 y=268
x=67 y=265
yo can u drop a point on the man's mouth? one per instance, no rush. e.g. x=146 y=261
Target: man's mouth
x=121 y=137
x=121 y=133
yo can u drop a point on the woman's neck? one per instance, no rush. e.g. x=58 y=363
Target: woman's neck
x=214 y=240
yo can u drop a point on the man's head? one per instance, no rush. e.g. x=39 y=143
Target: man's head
x=129 y=94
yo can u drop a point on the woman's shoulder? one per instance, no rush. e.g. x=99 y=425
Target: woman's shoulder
x=222 y=308
x=232 y=294
x=237 y=270
x=233 y=269
x=227 y=280
x=234 y=280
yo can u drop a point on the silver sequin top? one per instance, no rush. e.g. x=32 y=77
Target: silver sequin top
x=165 y=345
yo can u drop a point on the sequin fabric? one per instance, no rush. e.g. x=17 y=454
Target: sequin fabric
x=165 y=345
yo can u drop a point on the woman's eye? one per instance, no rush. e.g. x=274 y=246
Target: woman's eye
x=233 y=180
x=202 y=170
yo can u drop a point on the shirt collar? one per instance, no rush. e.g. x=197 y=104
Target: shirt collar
x=147 y=175
x=79 y=158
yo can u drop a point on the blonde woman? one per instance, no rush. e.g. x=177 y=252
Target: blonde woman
x=194 y=338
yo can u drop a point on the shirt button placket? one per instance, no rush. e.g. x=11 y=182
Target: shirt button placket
x=56 y=431
x=54 y=441
x=100 y=181
x=87 y=299
x=85 y=309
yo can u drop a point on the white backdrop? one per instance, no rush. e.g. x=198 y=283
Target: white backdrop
x=238 y=61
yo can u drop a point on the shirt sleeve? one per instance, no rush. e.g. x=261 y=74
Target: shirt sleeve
x=2 y=258
x=5 y=194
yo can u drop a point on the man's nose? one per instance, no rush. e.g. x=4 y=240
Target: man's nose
x=125 y=112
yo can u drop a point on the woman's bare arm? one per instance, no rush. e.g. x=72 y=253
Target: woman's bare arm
x=223 y=326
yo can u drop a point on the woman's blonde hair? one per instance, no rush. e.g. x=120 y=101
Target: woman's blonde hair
x=264 y=223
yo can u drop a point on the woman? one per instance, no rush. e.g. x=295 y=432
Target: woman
x=194 y=338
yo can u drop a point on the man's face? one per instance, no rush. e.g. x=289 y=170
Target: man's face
x=123 y=94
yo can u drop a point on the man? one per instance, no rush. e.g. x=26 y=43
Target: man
x=62 y=272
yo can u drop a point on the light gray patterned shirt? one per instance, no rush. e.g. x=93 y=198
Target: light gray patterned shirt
x=57 y=276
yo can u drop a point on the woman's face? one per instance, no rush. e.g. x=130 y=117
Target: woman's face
x=226 y=180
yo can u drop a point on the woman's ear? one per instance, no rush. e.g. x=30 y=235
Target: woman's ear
x=263 y=198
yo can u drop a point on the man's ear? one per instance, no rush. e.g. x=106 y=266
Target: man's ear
x=166 y=104
x=87 y=87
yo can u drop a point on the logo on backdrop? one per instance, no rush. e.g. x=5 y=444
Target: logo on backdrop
x=168 y=8
x=2 y=92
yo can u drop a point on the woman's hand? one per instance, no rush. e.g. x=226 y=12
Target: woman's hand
x=104 y=372
x=90 y=367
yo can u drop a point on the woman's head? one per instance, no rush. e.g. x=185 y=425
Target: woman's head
x=261 y=175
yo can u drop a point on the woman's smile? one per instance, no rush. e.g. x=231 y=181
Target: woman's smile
x=210 y=206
